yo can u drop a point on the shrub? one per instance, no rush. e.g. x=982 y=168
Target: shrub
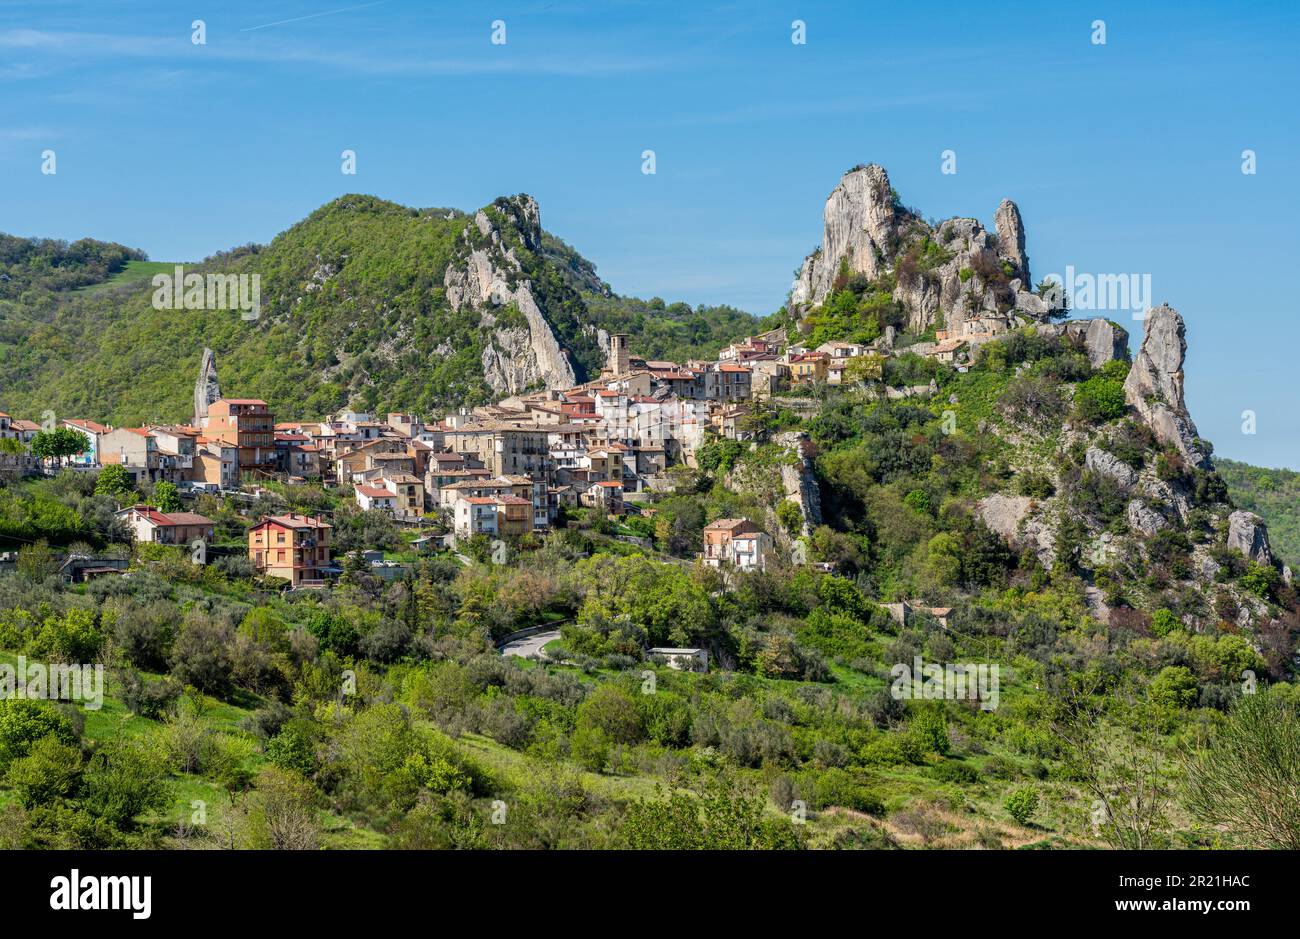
x=1021 y=804
x=1164 y=622
x=24 y=721
x=839 y=787
x=51 y=770
x=790 y=515
x=1100 y=399
x=1174 y=687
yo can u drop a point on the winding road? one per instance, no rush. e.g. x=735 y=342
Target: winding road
x=530 y=647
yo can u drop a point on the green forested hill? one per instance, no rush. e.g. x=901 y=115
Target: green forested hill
x=1274 y=494
x=353 y=312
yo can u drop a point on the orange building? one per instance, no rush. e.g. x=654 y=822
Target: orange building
x=248 y=424
x=293 y=547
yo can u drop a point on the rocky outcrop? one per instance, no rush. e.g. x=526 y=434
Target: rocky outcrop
x=1011 y=238
x=953 y=272
x=489 y=278
x=206 y=389
x=1142 y=518
x=1154 y=387
x=1248 y=534
x=1107 y=464
x=1003 y=514
x=1102 y=340
x=859 y=227
x=799 y=478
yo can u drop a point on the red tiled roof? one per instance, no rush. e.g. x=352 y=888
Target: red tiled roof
x=169 y=519
x=92 y=426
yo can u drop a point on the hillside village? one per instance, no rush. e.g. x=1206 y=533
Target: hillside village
x=920 y=466
x=511 y=468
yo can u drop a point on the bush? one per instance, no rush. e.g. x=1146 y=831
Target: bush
x=1100 y=399
x=1174 y=687
x=1164 y=622
x=23 y=722
x=790 y=516
x=839 y=787
x=1022 y=804
x=50 y=771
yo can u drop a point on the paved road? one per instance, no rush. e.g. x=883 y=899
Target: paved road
x=530 y=647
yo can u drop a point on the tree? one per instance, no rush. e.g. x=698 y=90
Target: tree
x=115 y=481
x=37 y=562
x=1174 y=687
x=123 y=779
x=790 y=515
x=717 y=819
x=1022 y=804
x=166 y=497
x=24 y=721
x=285 y=817
x=1118 y=764
x=1100 y=399
x=1245 y=777
x=59 y=443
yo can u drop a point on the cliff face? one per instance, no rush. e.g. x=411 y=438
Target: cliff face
x=489 y=277
x=951 y=272
x=1154 y=387
x=1118 y=504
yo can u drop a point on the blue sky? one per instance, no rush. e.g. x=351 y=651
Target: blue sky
x=1123 y=157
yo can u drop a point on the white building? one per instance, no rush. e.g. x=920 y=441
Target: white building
x=686 y=660
x=476 y=515
x=375 y=497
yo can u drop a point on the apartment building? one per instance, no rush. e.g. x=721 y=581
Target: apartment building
x=292 y=547
x=249 y=425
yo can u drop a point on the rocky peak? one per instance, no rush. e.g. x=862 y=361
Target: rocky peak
x=858 y=221
x=1154 y=387
x=954 y=271
x=488 y=276
x=206 y=387
x=1248 y=534
x=1011 y=238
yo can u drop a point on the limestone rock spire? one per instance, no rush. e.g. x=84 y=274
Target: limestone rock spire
x=206 y=388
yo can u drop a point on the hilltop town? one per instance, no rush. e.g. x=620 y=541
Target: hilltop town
x=919 y=540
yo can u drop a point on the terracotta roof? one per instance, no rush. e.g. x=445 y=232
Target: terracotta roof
x=511 y=500
x=373 y=492
x=169 y=519
x=92 y=426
